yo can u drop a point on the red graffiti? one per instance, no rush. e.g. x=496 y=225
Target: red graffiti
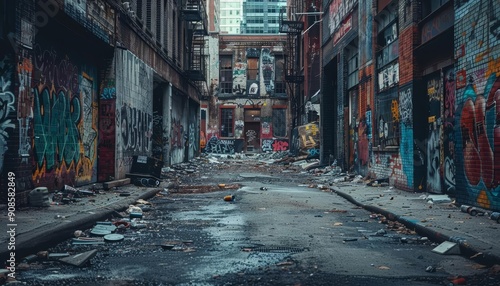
x=478 y=155
x=280 y=145
x=494 y=102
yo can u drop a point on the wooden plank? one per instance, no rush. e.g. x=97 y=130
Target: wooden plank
x=115 y=183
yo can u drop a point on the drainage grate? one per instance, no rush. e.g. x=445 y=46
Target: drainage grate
x=278 y=249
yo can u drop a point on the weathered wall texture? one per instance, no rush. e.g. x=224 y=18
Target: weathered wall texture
x=134 y=110
x=477 y=125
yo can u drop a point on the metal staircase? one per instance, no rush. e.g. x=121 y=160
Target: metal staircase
x=194 y=12
x=292 y=29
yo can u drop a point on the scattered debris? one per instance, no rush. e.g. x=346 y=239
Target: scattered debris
x=430 y=269
x=458 y=281
x=447 y=247
x=39 y=197
x=113 y=237
x=56 y=256
x=229 y=198
x=79 y=259
x=87 y=240
x=285 y=263
x=495 y=216
x=382 y=267
x=438 y=199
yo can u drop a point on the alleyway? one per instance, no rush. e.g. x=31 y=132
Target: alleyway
x=278 y=227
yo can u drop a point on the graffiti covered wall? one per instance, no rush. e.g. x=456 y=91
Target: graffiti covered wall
x=134 y=110
x=64 y=119
x=477 y=128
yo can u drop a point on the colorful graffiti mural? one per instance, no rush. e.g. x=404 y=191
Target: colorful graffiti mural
x=477 y=131
x=64 y=120
x=477 y=112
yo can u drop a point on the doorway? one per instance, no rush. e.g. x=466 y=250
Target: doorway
x=252 y=130
x=252 y=136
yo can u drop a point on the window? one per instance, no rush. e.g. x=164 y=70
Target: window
x=158 y=21
x=226 y=122
x=139 y=9
x=387 y=125
x=279 y=122
x=352 y=68
x=226 y=74
x=430 y=6
x=253 y=69
x=148 y=15
x=279 y=73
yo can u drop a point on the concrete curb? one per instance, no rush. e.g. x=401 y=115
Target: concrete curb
x=466 y=249
x=52 y=233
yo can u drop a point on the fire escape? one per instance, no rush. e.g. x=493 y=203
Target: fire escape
x=293 y=75
x=194 y=13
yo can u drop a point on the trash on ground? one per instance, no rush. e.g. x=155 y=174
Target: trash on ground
x=113 y=237
x=87 y=240
x=229 y=198
x=430 y=269
x=79 y=259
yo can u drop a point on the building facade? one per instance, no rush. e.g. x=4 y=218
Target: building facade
x=412 y=86
x=230 y=16
x=248 y=110
x=91 y=87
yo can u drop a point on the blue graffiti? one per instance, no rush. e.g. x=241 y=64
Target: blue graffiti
x=224 y=146
x=56 y=118
x=108 y=93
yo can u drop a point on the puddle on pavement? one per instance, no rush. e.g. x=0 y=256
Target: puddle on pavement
x=228 y=233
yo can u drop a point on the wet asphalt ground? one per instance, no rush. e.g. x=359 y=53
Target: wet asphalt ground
x=276 y=231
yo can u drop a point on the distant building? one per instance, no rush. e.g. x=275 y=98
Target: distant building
x=230 y=16
x=261 y=16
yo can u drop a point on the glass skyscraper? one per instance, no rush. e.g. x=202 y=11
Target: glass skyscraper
x=261 y=16
x=230 y=16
